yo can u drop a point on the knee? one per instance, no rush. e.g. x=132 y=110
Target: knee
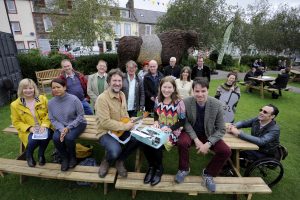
x=113 y=153
x=184 y=141
x=69 y=138
x=226 y=152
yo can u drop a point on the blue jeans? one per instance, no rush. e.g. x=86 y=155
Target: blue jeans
x=67 y=148
x=114 y=149
x=87 y=108
x=42 y=144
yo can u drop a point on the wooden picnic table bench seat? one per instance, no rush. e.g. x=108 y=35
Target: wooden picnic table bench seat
x=90 y=132
x=193 y=185
x=52 y=171
x=46 y=76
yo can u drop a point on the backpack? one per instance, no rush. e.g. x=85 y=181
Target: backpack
x=87 y=162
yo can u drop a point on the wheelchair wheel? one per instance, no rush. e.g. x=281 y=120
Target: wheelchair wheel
x=270 y=170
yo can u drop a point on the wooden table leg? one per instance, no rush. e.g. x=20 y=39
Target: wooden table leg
x=138 y=164
x=262 y=89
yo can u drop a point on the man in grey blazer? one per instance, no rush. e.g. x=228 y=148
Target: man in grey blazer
x=97 y=82
x=205 y=128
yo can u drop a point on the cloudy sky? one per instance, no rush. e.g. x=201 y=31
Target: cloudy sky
x=161 y=5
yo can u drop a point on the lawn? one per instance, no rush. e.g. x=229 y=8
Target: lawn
x=249 y=104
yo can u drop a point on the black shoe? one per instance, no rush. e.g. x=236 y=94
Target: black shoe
x=149 y=175
x=64 y=164
x=157 y=177
x=30 y=161
x=72 y=162
x=42 y=160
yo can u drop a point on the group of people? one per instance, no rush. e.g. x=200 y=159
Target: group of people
x=178 y=99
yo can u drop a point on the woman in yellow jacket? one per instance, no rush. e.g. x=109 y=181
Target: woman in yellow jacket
x=29 y=114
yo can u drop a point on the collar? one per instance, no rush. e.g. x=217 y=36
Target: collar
x=71 y=76
x=113 y=95
x=101 y=76
x=128 y=77
x=22 y=99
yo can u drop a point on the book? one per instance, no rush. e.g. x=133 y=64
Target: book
x=40 y=136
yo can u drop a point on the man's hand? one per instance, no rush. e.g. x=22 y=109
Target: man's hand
x=205 y=148
x=232 y=130
x=198 y=145
x=129 y=126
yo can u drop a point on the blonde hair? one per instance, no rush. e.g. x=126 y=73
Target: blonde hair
x=25 y=83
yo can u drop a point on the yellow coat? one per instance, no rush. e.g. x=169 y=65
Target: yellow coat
x=22 y=118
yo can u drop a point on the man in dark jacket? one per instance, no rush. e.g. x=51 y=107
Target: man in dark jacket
x=151 y=84
x=264 y=133
x=200 y=70
x=172 y=69
x=76 y=84
x=133 y=89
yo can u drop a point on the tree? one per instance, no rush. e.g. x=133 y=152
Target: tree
x=82 y=21
x=208 y=18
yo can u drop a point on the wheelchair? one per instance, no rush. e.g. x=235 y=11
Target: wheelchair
x=269 y=169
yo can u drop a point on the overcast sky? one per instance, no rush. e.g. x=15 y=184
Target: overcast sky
x=161 y=5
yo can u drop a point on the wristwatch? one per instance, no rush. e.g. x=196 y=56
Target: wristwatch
x=209 y=142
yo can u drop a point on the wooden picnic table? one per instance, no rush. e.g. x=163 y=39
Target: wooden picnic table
x=295 y=75
x=262 y=80
x=236 y=145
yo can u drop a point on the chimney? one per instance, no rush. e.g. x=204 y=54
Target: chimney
x=130 y=4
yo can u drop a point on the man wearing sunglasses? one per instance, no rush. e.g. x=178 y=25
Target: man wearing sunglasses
x=264 y=133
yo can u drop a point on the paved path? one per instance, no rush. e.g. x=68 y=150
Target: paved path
x=223 y=74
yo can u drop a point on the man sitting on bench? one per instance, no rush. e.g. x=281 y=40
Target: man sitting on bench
x=205 y=127
x=264 y=133
x=111 y=107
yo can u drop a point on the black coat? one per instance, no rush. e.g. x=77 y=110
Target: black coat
x=169 y=71
x=206 y=72
x=151 y=90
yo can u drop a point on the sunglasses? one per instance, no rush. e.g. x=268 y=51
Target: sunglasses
x=264 y=111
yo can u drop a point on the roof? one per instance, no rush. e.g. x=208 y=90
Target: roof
x=147 y=16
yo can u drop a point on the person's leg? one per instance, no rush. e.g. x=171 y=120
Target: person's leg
x=87 y=108
x=42 y=147
x=183 y=144
x=113 y=150
x=61 y=148
x=70 y=143
x=222 y=153
x=31 y=146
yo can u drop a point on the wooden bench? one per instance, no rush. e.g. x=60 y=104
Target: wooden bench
x=90 y=133
x=193 y=185
x=46 y=76
x=52 y=171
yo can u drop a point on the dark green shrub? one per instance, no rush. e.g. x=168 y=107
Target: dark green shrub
x=227 y=60
x=188 y=61
x=214 y=56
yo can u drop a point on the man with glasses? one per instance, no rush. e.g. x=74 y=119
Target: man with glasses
x=172 y=69
x=264 y=133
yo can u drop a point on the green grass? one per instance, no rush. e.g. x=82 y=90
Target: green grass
x=36 y=188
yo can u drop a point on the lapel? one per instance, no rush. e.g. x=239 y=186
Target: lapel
x=207 y=111
x=95 y=83
x=194 y=110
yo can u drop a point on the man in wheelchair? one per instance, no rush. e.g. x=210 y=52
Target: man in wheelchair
x=264 y=133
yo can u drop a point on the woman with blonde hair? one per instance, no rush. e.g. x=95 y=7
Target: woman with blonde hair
x=29 y=115
x=184 y=84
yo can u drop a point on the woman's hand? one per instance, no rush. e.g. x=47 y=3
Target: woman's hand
x=166 y=129
x=63 y=134
x=42 y=129
x=156 y=125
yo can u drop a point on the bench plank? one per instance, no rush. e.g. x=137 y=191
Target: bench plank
x=194 y=184
x=52 y=171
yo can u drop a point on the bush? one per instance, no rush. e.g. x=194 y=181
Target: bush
x=214 y=56
x=34 y=61
x=188 y=61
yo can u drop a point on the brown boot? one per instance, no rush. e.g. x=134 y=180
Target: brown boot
x=121 y=168
x=103 y=169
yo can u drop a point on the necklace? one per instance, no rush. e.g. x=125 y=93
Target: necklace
x=183 y=83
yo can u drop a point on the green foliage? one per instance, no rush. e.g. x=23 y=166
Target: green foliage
x=227 y=61
x=188 y=61
x=85 y=21
x=270 y=61
x=33 y=61
x=210 y=63
x=214 y=56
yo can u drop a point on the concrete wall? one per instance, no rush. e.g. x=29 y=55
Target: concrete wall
x=4 y=22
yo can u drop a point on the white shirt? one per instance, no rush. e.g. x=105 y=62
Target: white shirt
x=131 y=93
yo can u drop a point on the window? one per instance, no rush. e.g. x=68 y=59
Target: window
x=11 y=6
x=20 y=45
x=125 y=13
x=147 y=29
x=118 y=29
x=127 y=29
x=47 y=24
x=16 y=27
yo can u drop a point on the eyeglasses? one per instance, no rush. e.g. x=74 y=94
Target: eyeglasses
x=264 y=111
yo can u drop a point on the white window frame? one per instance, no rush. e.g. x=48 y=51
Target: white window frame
x=148 y=29
x=118 y=29
x=18 y=43
x=47 y=23
x=127 y=32
x=16 y=27
x=11 y=6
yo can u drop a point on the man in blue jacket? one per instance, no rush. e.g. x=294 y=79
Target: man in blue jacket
x=264 y=133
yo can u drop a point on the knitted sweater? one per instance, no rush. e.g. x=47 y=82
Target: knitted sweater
x=66 y=111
